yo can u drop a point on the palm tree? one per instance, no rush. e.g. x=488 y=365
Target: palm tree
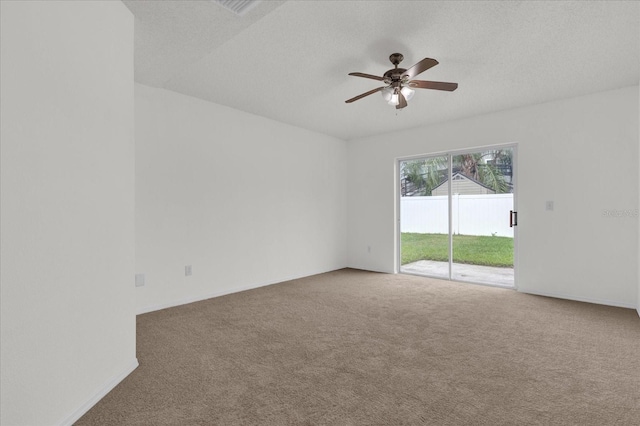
x=424 y=174
x=486 y=167
x=483 y=167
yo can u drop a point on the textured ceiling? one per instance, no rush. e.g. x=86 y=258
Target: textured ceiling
x=289 y=60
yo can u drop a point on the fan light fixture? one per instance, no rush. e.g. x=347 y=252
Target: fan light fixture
x=400 y=84
x=394 y=100
x=390 y=95
x=386 y=93
x=408 y=92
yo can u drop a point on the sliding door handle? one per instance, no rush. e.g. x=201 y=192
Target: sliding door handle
x=513 y=218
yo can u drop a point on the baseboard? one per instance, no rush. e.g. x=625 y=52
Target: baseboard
x=97 y=396
x=188 y=300
x=579 y=299
x=224 y=292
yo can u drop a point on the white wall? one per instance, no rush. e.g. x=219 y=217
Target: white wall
x=575 y=251
x=67 y=207
x=245 y=200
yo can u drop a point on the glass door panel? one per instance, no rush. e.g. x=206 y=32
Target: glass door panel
x=482 y=191
x=424 y=216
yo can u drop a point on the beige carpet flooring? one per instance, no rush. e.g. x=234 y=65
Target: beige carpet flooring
x=358 y=348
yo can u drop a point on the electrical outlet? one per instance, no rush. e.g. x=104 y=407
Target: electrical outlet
x=187 y=271
x=549 y=205
x=139 y=280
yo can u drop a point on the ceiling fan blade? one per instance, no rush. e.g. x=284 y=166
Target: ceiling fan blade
x=437 y=85
x=361 y=74
x=370 y=92
x=421 y=66
x=402 y=101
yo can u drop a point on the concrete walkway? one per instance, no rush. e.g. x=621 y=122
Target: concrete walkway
x=461 y=272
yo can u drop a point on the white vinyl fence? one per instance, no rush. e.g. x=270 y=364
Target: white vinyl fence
x=472 y=214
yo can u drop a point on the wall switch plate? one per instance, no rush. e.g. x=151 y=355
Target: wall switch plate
x=549 y=205
x=187 y=271
x=139 y=280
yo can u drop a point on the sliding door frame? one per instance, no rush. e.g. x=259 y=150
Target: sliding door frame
x=450 y=154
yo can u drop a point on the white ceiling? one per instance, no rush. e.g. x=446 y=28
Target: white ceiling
x=289 y=60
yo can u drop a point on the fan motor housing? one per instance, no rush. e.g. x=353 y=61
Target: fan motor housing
x=394 y=74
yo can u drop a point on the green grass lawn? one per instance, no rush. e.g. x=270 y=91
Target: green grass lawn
x=472 y=249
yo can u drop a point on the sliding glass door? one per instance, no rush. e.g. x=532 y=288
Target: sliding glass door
x=457 y=216
x=424 y=209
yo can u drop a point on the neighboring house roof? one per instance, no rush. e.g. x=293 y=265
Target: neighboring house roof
x=461 y=176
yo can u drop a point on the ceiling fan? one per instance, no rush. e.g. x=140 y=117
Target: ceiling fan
x=400 y=84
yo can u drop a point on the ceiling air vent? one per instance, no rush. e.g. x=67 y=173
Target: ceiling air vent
x=239 y=7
